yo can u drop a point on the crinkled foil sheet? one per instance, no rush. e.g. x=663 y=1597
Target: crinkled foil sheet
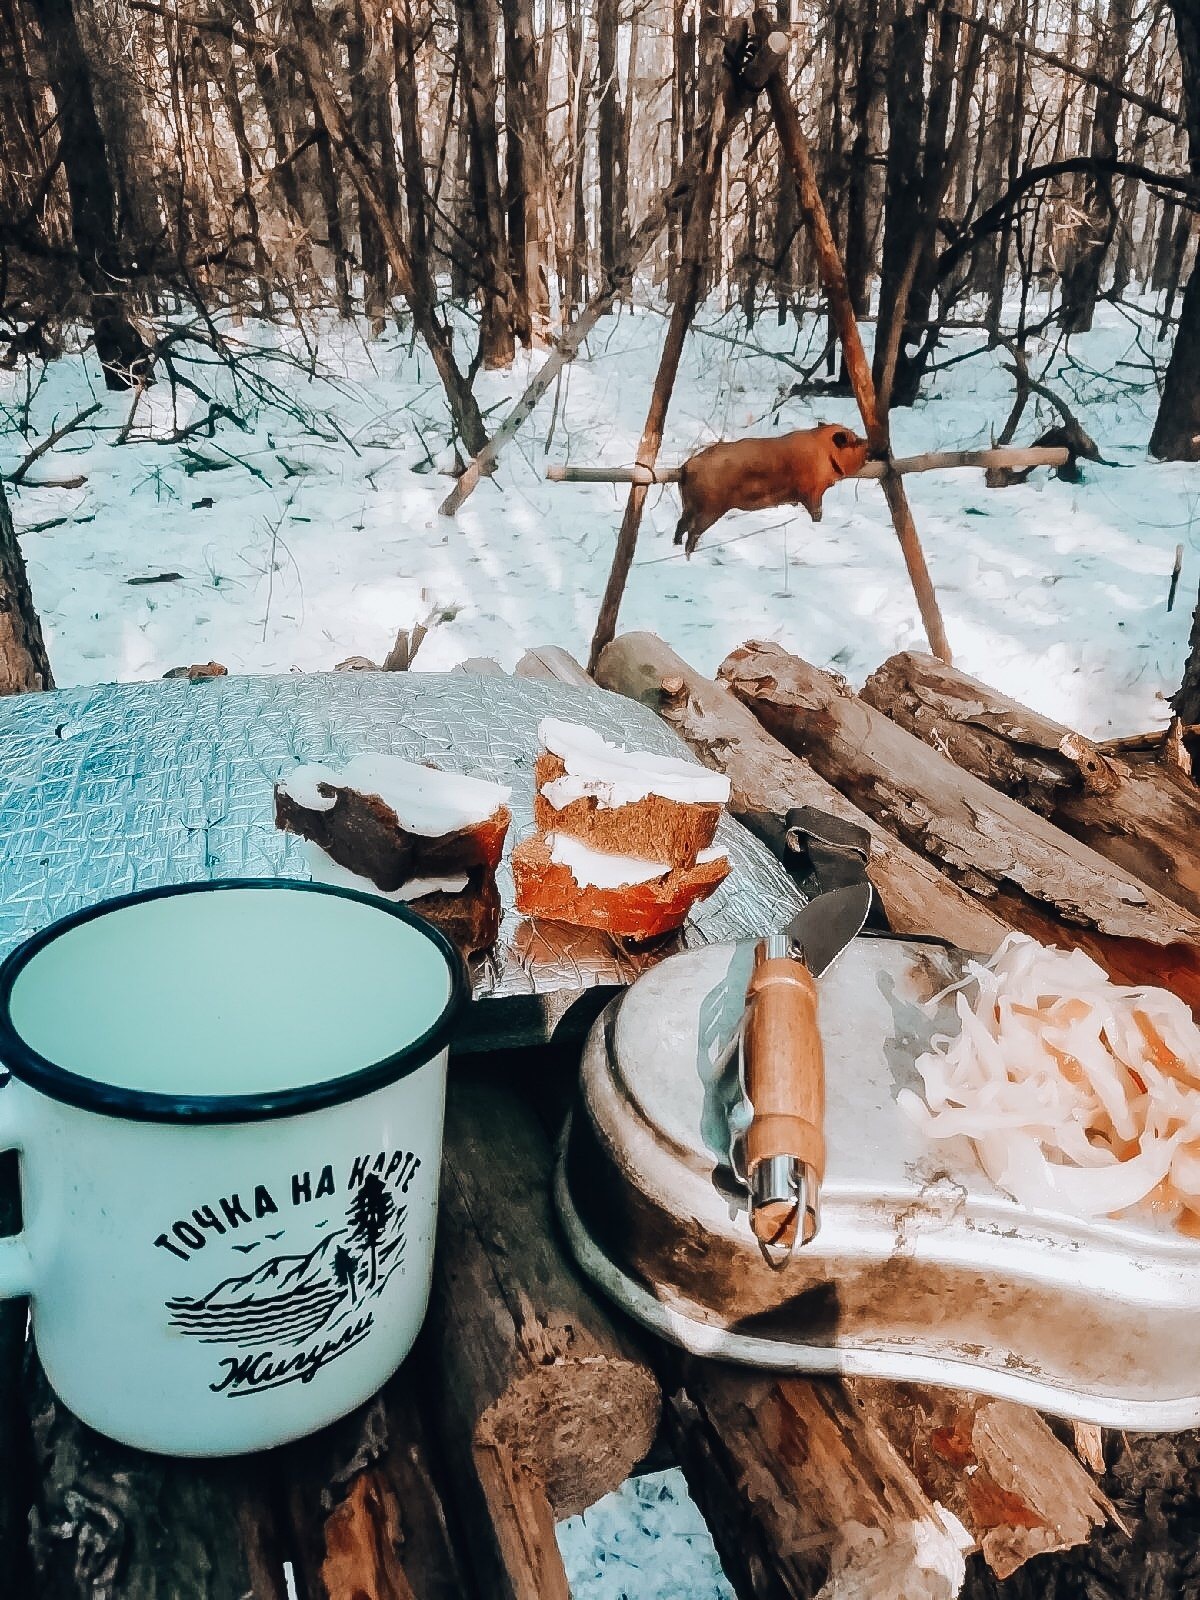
x=110 y=789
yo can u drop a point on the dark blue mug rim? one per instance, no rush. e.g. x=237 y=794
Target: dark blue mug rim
x=140 y=1105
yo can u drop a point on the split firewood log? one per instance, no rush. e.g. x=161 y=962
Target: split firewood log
x=366 y=1512
x=766 y=777
x=840 y=1490
x=1146 y=818
x=543 y=1403
x=1033 y=874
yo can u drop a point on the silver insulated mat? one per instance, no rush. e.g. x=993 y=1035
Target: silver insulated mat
x=119 y=787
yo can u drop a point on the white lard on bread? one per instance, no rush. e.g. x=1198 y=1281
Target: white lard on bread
x=613 y=776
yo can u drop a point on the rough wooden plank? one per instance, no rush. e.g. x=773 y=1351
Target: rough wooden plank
x=538 y=1395
x=766 y=777
x=1146 y=818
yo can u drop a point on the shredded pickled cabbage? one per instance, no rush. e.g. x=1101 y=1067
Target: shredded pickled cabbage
x=1079 y=1095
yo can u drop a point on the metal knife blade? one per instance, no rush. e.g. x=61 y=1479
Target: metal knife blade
x=823 y=928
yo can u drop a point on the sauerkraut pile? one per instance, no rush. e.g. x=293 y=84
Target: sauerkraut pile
x=1079 y=1095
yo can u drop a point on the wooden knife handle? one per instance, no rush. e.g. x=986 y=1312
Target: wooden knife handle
x=784 y=1066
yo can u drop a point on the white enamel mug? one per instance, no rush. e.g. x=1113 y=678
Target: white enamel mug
x=227 y=1101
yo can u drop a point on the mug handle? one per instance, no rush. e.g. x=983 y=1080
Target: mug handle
x=16 y=1266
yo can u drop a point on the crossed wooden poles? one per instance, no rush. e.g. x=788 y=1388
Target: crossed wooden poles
x=751 y=63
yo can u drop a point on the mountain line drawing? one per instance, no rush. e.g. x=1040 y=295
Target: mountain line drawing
x=288 y=1298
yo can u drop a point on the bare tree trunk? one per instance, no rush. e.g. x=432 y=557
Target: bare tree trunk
x=477 y=42
x=24 y=664
x=404 y=50
x=123 y=354
x=528 y=204
x=902 y=203
x=867 y=93
x=366 y=94
x=331 y=204
x=608 y=127
x=1186 y=702
x=1085 y=263
x=1176 y=435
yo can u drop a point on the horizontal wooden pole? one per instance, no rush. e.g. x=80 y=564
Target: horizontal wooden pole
x=932 y=461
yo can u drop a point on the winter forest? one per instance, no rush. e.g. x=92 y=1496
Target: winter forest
x=272 y=276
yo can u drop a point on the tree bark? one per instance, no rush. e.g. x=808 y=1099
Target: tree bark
x=526 y=196
x=124 y=356
x=24 y=664
x=725 y=735
x=1186 y=701
x=860 y=263
x=542 y=1404
x=112 y=1521
x=1145 y=818
x=833 y=278
x=1176 y=435
x=477 y=41
x=1098 y=219
x=608 y=125
x=835 y=1489
x=1036 y=876
x=408 y=104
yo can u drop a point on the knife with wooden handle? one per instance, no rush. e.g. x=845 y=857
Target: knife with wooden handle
x=782 y=1151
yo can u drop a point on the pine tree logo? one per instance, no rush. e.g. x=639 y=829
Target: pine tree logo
x=369 y=1216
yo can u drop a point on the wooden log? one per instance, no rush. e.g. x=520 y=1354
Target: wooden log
x=549 y=663
x=869 y=1488
x=1015 y=1485
x=833 y=279
x=543 y=1404
x=1145 y=818
x=113 y=1522
x=766 y=777
x=367 y=1513
x=932 y=461
x=800 y=1500
x=1037 y=877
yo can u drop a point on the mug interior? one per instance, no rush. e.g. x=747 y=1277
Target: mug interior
x=248 y=990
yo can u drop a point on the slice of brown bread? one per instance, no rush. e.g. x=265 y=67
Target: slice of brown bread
x=470 y=919
x=362 y=833
x=653 y=829
x=638 y=911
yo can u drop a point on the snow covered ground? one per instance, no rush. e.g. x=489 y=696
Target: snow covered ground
x=297 y=545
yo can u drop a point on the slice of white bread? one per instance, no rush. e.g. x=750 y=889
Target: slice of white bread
x=628 y=802
x=393 y=823
x=559 y=878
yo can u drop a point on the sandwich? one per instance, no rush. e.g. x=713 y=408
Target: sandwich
x=625 y=837
x=429 y=838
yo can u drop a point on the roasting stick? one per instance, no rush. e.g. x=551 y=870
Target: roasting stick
x=932 y=461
